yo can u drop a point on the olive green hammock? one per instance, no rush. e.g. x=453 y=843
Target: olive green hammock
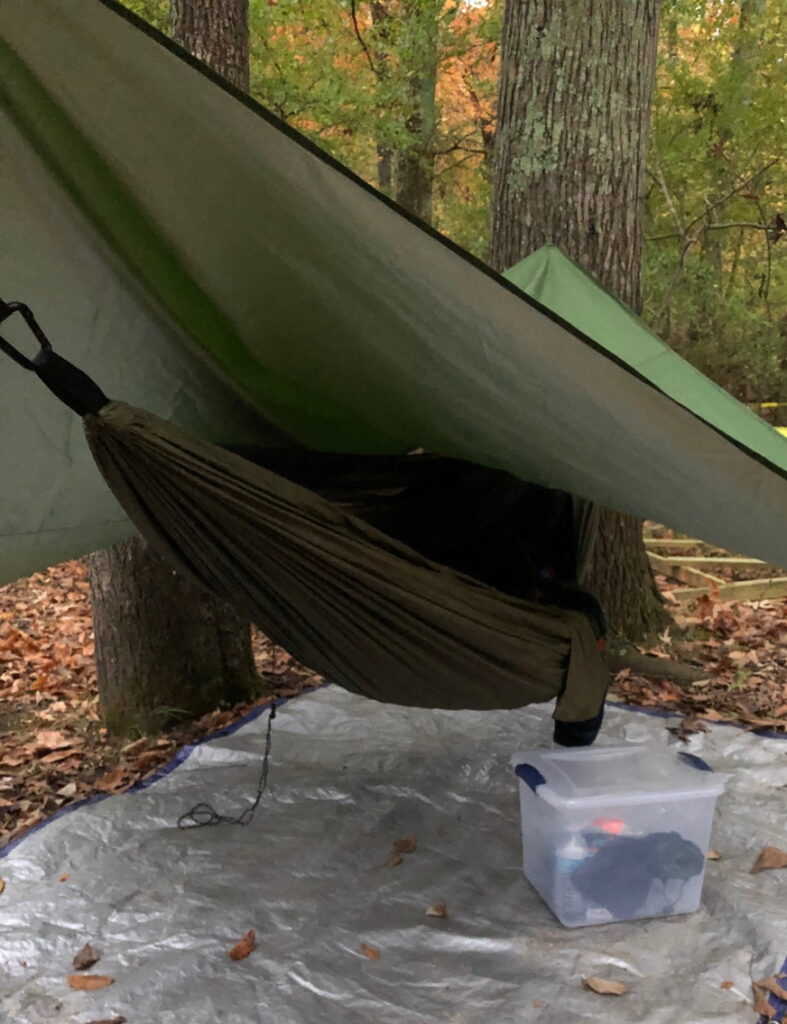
x=353 y=604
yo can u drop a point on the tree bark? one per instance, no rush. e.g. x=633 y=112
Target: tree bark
x=419 y=58
x=217 y=32
x=165 y=649
x=385 y=154
x=573 y=115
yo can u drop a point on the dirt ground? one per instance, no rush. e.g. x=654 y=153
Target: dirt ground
x=54 y=751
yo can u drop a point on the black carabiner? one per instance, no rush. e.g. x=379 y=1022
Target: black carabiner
x=7 y=309
x=66 y=381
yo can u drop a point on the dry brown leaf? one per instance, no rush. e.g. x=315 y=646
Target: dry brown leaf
x=394 y=860
x=370 y=952
x=605 y=987
x=772 y=985
x=713 y=855
x=407 y=845
x=109 y=1020
x=113 y=780
x=762 y=1004
x=86 y=957
x=89 y=982
x=704 y=607
x=57 y=755
x=244 y=946
x=438 y=910
x=770 y=858
x=64 y=878
x=69 y=790
x=727 y=984
x=50 y=739
x=2 y=886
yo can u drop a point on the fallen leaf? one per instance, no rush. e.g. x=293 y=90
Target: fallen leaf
x=370 y=952
x=712 y=855
x=687 y=727
x=762 y=1004
x=604 y=987
x=772 y=985
x=407 y=845
x=109 y=1020
x=86 y=957
x=394 y=860
x=68 y=790
x=113 y=780
x=64 y=878
x=243 y=946
x=50 y=739
x=89 y=982
x=438 y=910
x=2 y=886
x=770 y=858
x=57 y=755
x=704 y=607
x=727 y=984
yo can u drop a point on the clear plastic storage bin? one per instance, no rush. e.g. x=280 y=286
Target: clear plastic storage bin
x=616 y=833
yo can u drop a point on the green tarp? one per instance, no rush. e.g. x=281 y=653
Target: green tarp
x=202 y=260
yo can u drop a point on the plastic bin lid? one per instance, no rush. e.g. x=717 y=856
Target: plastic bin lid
x=636 y=773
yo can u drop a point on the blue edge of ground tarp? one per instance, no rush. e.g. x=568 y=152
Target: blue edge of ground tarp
x=779 y=1005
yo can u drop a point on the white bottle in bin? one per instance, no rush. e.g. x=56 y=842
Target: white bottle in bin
x=568 y=856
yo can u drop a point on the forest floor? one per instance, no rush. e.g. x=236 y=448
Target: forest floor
x=54 y=751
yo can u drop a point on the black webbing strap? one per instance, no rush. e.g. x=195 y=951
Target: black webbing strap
x=64 y=380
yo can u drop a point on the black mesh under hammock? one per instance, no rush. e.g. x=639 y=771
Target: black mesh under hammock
x=326 y=579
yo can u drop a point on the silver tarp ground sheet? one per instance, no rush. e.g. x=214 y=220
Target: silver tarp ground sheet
x=348 y=778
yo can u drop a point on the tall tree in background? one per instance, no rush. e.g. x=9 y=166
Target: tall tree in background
x=164 y=647
x=573 y=114
x=419 y=59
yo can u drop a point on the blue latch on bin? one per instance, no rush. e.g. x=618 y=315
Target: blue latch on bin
x=531 y=775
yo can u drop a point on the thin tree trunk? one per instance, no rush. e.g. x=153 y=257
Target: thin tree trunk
x=415 y=160
x=165 y=649
x=385 y=154
x=573 y=117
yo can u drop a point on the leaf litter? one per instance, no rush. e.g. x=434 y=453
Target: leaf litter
x=53 y=749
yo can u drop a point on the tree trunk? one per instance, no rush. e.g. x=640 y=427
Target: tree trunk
x=573 y=115
x=419 y=58
x=217 y=32
x=165 y=649
x=380 y=20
